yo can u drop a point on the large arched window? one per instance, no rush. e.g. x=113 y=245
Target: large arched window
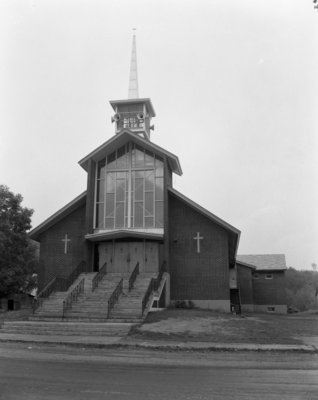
x=129 y=189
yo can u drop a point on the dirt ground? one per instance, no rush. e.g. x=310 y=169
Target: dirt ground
x=201 y=325
x=208 y=326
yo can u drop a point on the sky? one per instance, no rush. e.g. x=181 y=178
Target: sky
x=234 y=86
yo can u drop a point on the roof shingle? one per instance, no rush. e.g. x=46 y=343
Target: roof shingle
x=264 y=261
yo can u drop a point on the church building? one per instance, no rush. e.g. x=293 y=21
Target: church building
x=131 y=223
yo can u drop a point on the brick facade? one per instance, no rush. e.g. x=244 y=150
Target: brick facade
x=199 y=276
x=53 y=261
x=269 y=291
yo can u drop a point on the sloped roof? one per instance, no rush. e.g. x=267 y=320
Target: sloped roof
x=263 y=261
x=56 y=217
x=123 y=137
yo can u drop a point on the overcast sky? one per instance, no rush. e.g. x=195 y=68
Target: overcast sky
x=234 y=85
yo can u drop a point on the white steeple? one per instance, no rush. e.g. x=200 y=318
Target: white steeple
x=133 y=77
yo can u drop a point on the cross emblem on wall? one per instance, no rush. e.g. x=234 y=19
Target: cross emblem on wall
x=65 y=240
x=198 y=238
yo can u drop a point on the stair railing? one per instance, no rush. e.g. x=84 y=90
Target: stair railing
x=153 y=286
x=114 y=297
x=73 y=276
x=58 y=285
x=73 y=296
x=99 y=276
x=44 y=294
x=133 y=277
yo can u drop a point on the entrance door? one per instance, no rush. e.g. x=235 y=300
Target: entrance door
x=136 y=254
x=151 y=257
x=121 y=257
x=105 y=254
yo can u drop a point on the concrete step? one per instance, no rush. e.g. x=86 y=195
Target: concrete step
x=66 y=328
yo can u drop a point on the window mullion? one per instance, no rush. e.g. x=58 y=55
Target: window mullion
x=129 y=187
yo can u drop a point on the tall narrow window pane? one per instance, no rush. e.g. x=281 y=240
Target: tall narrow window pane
x=148 y=222
x=100 y=215
x=109 y=223
x=149 y=180
x=122 y=158
x=159 y=188
x=139 y=189
x=110 y=205
x=110 y=187
x=120 y=190
x=120 y=215
x=159 y=168
x=148 y=204
x=149 y=159
x=139 y=212
x=159 y=214
x=100 y=191
x=139 y=157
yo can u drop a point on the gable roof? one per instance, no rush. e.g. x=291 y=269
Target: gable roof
x=264 y=262
x=234 y=233
x=56 y=217
x=122 y=138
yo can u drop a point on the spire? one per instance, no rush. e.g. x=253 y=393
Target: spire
x=133 y=78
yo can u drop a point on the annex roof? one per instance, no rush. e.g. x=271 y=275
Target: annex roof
x=264 y=261
x=59 y=215
x=234 y=233
x=123 y=137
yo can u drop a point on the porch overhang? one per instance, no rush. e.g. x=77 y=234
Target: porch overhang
x=150 y=234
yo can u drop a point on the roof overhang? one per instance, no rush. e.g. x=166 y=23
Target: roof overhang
x=242 y=264
x=122 y=138
x=124 y=233
x=80 y=200
x=145 y=101
x=234 y=233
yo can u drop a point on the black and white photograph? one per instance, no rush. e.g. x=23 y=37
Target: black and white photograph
x=158 y=199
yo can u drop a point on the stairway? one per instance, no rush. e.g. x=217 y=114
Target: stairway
x=52 y=308
x=129 y=306
x=88 y=316
x=93 y=306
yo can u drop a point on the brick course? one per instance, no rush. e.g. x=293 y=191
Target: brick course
x=200 y=276
x=269 y=291
x=53 y=261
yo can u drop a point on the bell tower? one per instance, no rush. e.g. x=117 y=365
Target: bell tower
x=134 y=113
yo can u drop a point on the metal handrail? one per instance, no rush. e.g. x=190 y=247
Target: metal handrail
x=74 y=275
x=58 y=285
x=153 y=286
x=99 y=276
x=73 y=296
x=133 y=277
x=114 y=297
x=44 y=293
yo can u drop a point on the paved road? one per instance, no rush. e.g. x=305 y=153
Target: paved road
x=52 y=372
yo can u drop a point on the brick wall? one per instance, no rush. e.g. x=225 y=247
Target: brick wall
x=244 y=279
x=269 y=291
x=53 y=261
x=200 y=276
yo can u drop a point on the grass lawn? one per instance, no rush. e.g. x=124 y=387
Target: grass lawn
x=202 y=325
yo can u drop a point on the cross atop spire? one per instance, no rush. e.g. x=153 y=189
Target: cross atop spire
x=133 y=77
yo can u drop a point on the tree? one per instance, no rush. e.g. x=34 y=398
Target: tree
x=17 y=253
x=302 y=289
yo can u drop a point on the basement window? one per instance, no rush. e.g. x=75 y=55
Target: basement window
x=269 y=276
x=271 y=309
